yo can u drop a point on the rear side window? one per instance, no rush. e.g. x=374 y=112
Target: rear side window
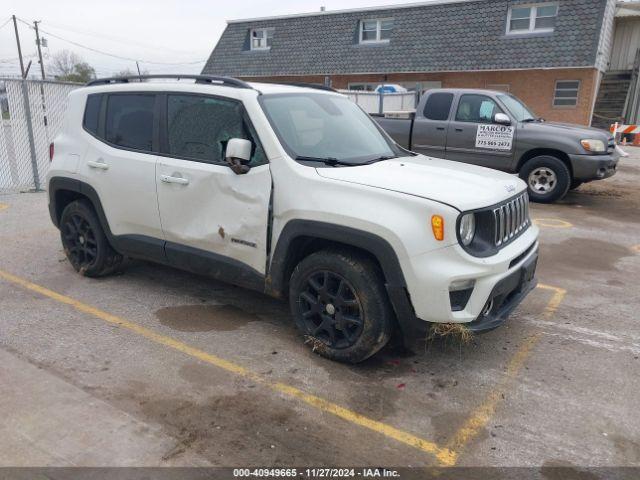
x=199 y=127
x=92 y=113
x=129 y=121
x=438 y=106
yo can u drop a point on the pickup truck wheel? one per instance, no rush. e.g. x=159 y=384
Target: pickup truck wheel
x=340 y=305
x=548 y=178
x=85 y=243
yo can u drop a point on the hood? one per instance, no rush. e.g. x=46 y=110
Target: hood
x=578 y=130
x=462 y=186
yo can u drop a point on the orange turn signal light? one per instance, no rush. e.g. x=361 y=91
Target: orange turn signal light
x=437 y=225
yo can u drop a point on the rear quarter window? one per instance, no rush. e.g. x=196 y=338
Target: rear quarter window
x=92 y=113
x=438 y=106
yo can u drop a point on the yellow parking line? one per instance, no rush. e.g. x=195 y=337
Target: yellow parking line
x=3 y=206
x=481 y=416
x=556 y=299
x=552 y=223
x=444 y=456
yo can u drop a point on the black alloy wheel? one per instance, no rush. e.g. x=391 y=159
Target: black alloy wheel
x=79 y=242
x=331 y=309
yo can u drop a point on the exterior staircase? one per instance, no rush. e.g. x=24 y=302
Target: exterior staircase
x=612 y=95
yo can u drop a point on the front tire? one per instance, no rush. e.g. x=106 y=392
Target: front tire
x=340 y=305
x=85 y=243
x=548 y=178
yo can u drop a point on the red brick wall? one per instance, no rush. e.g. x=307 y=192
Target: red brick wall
x=534 y=87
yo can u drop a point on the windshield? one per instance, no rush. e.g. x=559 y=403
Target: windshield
x=518 y=109
x=328 y=127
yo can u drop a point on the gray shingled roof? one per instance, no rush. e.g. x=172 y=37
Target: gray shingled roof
x=426 y=38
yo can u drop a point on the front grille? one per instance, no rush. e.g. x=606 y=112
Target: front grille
x=611 y=145
x=510 y=219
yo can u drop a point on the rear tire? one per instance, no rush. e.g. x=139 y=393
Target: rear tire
x=548 y=178
x=85 y=243
x=340 y=305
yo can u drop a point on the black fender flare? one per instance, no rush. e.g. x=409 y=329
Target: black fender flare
x=57 y=184
x=411 y=327
x=132 y=245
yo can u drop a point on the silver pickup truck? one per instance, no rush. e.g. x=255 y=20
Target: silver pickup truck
x=496 y=130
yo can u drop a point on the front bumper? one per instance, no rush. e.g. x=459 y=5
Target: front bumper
x=506 y=296
x=505 y=278
x=594 y=167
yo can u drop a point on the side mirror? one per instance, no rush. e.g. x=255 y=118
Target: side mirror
x=238 y=155
x=502 y=119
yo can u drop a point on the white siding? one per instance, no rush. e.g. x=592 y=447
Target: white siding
x=606 y=36
x=625 y=44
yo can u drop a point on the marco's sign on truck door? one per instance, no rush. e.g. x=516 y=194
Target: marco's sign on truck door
x=494 y=137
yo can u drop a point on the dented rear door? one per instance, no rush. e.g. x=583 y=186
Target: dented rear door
x=203 y=204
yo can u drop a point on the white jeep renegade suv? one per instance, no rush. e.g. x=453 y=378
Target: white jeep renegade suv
x=294 y=192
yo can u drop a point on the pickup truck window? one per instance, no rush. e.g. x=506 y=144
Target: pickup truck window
x=326 y=127
x=476 y=109
x=518 y=109
x=438 y=106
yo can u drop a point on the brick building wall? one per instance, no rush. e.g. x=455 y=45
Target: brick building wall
x=534 y=87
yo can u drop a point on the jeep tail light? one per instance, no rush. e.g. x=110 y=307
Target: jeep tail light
x=51 y=150
x=437 y=225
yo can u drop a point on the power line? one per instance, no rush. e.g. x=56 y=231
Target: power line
x=6 y=22
x=121 y=40
x=95 y=50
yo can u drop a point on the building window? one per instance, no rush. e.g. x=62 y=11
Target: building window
x=532 y=18
x=566 y=93
x=376 y=31
x=261 y=38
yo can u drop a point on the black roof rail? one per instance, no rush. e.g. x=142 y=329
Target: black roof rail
x=213 y=80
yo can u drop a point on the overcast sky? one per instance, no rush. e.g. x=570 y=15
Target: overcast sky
x=168 y=31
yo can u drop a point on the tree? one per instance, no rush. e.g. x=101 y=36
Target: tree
x=70 y=67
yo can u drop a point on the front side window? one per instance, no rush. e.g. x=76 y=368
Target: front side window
x=129 y=121
x=566 y=93
x=517 y=108
x=378 y=30
x=540 y=17
x=438 y=106
x=261 y=38
x=476 y=109
x=320 y=126
x=199 y=127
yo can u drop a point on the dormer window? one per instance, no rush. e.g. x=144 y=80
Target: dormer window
x=532 y=18
x=261 y=38
x=376 y=31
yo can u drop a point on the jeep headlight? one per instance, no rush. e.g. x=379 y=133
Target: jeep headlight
x=467 y=228
x=593 y=145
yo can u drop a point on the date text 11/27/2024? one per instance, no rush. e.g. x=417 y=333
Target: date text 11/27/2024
x=315 y=473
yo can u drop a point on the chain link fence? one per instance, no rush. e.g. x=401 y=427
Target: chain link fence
x=32 y=115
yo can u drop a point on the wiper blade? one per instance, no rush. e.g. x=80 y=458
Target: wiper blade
x=327 y=161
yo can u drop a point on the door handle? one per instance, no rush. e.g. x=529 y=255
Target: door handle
x=439 y=128
x=170 y=179
x=99 y=165
x=458 y=129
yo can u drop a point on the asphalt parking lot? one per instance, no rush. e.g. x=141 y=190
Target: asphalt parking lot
x=156 y=367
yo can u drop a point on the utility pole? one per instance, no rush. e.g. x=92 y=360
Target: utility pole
x=38 y=42
x=138 y=67
x=15 y=27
